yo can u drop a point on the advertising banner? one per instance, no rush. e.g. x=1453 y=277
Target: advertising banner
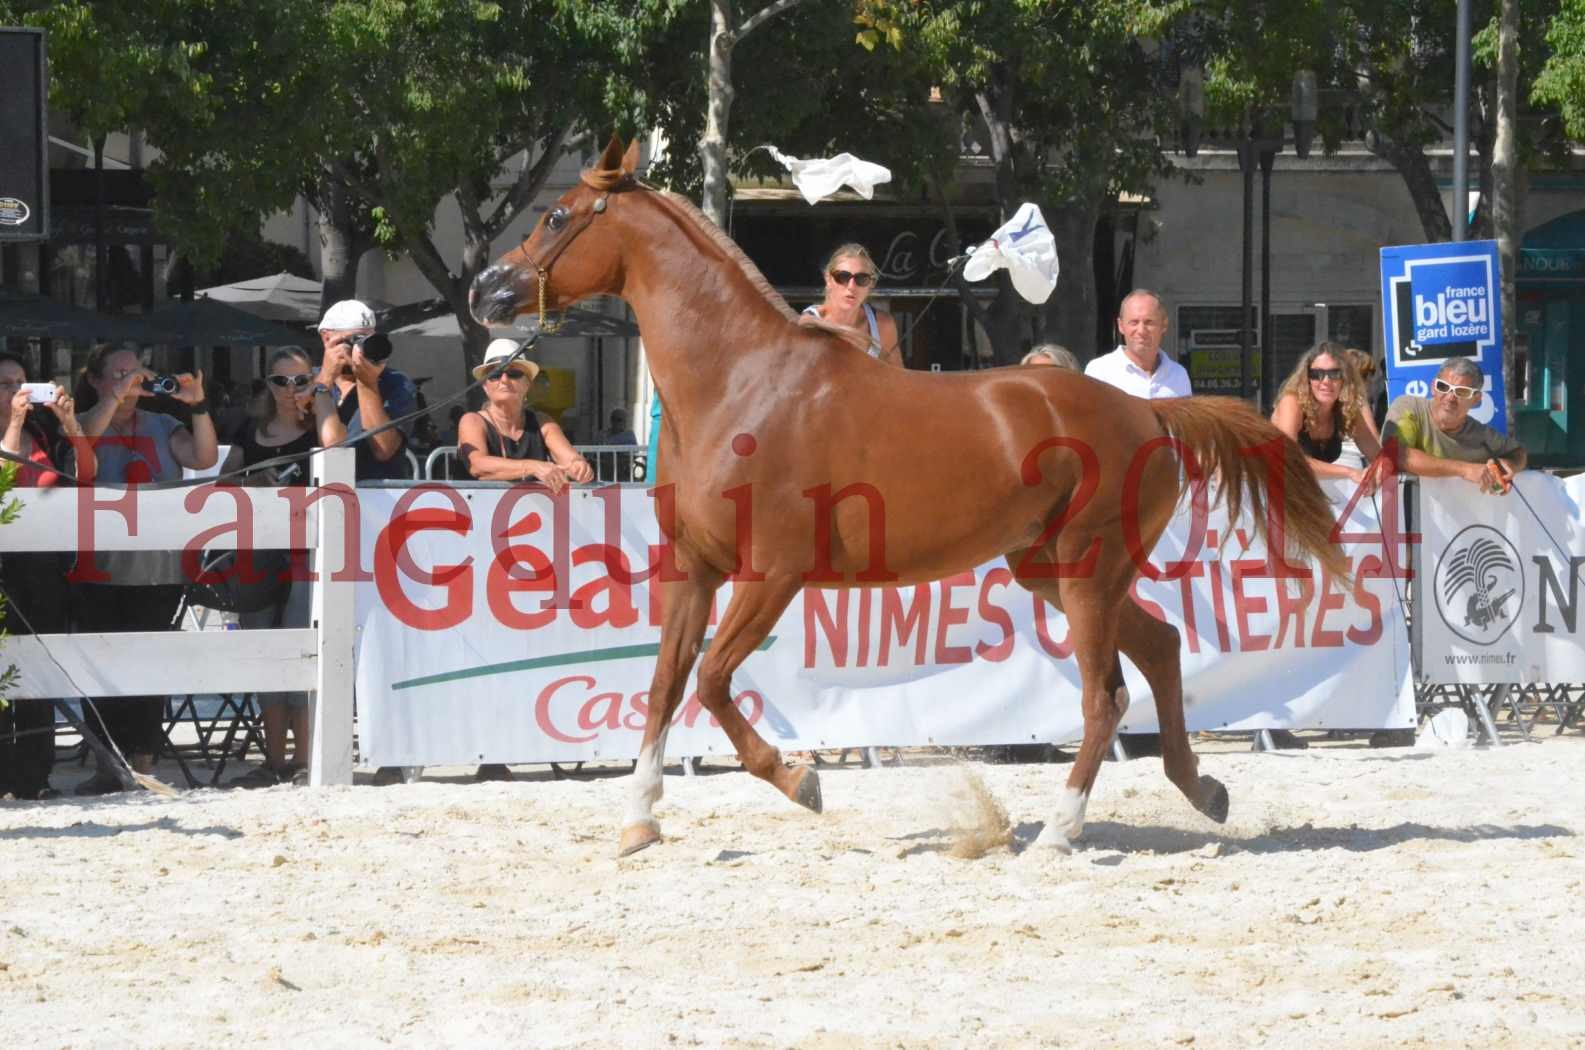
x=502 y=625
x=1440 y=301
x=1502 y=579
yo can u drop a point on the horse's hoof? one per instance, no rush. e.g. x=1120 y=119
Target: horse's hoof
x=1213 y=799
x=1051 y=841
x=638 y=836
x=807 y=793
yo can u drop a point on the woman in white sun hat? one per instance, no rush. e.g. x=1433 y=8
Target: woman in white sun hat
x=505 y=440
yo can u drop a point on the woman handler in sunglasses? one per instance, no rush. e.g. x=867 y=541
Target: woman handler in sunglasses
x=1439 y=439
x=850 y=275
x=1322 y=403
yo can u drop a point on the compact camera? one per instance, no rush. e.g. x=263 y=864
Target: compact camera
x=40 y=393
x=162 y=385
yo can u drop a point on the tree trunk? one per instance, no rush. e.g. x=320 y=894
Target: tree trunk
x=1070 y=314
x=340 y=245
x=718 y=114
x=1505 y=187
x=1415 y=167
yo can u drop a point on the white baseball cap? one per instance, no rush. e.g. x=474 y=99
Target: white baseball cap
x=346 y=316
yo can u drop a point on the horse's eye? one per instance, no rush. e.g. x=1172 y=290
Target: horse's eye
x=556 y=219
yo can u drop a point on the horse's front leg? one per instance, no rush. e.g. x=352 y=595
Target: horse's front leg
x=749 y=617
x=685 y=612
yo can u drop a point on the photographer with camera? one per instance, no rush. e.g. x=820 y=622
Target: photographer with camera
x=134 y=590
x=37 y=425
x=367 y=394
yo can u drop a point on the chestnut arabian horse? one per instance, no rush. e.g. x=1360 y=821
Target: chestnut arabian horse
x=798 y=460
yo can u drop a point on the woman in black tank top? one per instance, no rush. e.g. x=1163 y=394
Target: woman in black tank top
x=1323 y=402
x=505 y=440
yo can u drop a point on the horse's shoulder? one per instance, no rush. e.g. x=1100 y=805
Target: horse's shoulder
x=850 y=335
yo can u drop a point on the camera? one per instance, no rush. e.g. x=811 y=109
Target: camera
x=162 y=385
x=40 y=393
x=376 y=347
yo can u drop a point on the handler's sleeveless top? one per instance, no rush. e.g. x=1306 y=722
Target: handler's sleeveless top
x=874 y=349
x=530 y=446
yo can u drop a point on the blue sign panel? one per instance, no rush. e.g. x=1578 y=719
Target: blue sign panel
x=1440 y=301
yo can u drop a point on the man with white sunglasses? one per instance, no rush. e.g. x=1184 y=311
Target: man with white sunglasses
x=1438 y=439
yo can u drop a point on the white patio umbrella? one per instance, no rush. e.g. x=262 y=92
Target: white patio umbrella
x=279 y=297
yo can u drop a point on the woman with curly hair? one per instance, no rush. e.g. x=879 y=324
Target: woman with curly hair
x=1322 y=403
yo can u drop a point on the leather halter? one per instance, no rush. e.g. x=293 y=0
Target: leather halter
x=570 y=234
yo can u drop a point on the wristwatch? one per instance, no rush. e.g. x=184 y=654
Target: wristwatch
x=319 y=388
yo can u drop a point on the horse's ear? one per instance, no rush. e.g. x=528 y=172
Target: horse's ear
x=611 y=159
x=630 y=158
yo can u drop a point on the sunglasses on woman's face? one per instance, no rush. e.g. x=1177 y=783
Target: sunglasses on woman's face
x=1463 y=393
x=511 y=373
x=863 y=278
x=1318 y=375
x=298 y=381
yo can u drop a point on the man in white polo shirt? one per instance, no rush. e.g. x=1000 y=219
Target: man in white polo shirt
x=1138 y=366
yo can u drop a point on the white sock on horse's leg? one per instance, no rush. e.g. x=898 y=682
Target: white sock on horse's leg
x=647 y=786
x=1066 y=823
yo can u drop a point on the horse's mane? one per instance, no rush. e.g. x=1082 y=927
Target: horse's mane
x=607 y=180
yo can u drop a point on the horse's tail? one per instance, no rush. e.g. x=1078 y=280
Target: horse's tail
x=1225 y=436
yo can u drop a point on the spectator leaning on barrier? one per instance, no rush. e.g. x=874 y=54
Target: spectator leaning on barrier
x=1438 y=439
x=34 y=583
x=134 y=590
x=506 y=441
x=299 y=416
x=1051 y=354
x=1138 y=366
x=1322 y=404
x=368 y=394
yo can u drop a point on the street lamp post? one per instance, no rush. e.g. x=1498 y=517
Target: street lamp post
x=1258 y=145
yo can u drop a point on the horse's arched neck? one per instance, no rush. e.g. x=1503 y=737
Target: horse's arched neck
x=698 y=309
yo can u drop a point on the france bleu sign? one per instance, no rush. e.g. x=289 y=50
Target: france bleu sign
x=1440 y=301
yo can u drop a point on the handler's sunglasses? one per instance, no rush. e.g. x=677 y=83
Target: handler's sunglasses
x=511 y=373
x=1463 y=393
x=294 y=381
x=1318 y=375
x=842 y=277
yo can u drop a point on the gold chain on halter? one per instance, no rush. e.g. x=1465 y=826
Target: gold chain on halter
x=546 y=325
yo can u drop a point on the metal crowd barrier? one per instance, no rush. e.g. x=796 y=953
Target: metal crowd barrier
x=611 y=463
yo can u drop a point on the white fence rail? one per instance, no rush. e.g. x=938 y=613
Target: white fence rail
x=317 y=658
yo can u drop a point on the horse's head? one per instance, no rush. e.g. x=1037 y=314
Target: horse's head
x=568 y=256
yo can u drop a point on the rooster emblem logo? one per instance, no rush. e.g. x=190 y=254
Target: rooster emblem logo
x=1479 y=588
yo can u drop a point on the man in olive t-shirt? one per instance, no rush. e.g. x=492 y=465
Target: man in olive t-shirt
x=1437 y=438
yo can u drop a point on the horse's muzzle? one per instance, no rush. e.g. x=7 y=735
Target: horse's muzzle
x=493 y=297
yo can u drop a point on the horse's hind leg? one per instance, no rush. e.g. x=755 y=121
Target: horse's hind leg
x=685 y=612
x=1093 y=623
x=1153 y=647
x=749 y=617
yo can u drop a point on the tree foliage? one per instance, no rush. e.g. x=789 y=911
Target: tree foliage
x=1561 y=81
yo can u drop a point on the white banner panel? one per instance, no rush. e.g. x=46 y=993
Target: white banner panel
x=1501 y=578
x=459 y=663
